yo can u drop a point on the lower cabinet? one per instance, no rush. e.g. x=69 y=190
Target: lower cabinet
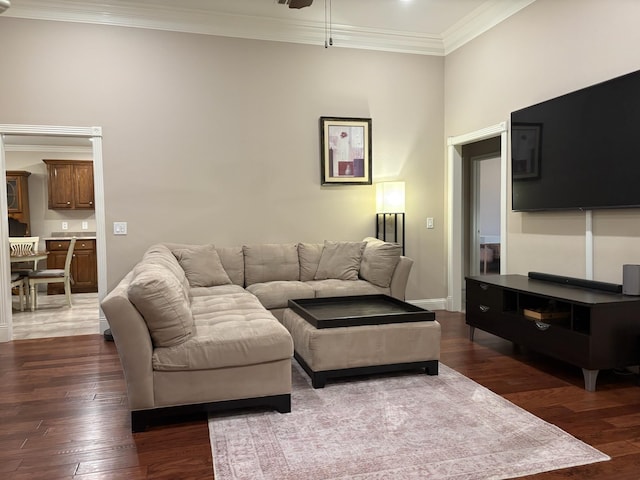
x=84 y=265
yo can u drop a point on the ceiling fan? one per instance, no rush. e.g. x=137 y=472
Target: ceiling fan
x=295 y=3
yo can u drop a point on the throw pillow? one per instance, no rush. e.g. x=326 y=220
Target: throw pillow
x=309 y=255
x=158 y=296
x=340 y=260
x=379 y=261
x=202 y=266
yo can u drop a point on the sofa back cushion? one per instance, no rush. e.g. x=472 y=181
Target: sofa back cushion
x=340 y=260
x=270 y=262
x=309 y=256
x=202 y=266
x=232 y=259
x=379 y=261
x=161 y=255
x=159 y=297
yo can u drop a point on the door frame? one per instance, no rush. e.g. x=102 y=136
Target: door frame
x=455 y=220
x=95 y=135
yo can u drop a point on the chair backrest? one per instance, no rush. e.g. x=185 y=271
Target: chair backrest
x=67 y=261
x=23 y=245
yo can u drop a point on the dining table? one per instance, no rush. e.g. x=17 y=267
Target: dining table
x=29 y=257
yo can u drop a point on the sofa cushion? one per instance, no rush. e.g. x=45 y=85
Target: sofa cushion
x=340 y=260
x=161 y=255
x=232 y=329
x=309 y=257
x=202 y=266
x=270 y=262
x=232 y=259
x=341 y=288
x=158 y=296
x=379 y=261
x=277 y=294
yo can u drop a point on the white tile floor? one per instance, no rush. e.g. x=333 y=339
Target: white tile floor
x=53 y=318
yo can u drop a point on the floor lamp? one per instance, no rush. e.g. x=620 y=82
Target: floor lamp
x=390 y=211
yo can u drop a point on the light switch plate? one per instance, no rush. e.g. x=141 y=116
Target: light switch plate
x=430 y=222
x=119 y=228
x=85 y=225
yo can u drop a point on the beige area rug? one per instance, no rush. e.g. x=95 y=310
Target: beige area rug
x=408 y=426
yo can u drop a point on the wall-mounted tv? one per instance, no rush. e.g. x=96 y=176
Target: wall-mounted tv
x=580 y=151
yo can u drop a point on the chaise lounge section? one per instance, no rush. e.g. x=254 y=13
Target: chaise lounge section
x=198 y=328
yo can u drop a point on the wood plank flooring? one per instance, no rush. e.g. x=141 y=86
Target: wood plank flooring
x=63 y=410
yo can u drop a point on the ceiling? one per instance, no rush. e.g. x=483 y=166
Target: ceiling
x=427 y=27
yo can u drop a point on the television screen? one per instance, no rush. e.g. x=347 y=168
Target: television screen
x=579 y=151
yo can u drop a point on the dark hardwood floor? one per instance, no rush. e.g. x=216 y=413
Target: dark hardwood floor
x=63 y=410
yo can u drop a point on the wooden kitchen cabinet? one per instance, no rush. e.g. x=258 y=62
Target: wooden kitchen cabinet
x=70 y=184
x=84 y=265
x=18 y=197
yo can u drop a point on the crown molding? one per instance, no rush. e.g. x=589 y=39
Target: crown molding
x=206 y=22
x=483 y=18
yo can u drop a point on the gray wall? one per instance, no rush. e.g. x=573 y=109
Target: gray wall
x=548 y=49
x=212 y=139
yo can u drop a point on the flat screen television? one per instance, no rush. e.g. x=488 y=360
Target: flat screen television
x=580 y=151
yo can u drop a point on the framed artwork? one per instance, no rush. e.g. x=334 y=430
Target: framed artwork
x=345 y=157
x=525 y=151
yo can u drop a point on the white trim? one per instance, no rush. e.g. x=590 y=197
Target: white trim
x=179 y=18
x=483 y=18
x=588 y=239
x=430 y=303
x=454 y=207
x=93 y=133
x=5 y=266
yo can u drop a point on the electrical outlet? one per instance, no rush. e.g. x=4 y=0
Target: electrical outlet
x=119 y=228
x=85 y=225
x=65 y=225
x=430 y=222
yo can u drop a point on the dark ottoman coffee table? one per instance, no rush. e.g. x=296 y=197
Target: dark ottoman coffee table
x=364 y=334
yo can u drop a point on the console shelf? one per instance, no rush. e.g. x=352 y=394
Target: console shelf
x=592 y=329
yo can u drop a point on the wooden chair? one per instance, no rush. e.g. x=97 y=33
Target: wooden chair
x=17 y=281
x=53 y=275
x=19 y=246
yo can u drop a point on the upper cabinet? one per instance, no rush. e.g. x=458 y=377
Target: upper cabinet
x=18 y=197
x=70 y=184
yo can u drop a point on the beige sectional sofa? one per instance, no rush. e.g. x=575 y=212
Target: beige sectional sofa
x=197 y=327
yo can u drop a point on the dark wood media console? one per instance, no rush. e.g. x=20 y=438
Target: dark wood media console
x=592 y=329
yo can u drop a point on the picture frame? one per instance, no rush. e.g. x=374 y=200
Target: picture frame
x=525 y=148
x=345 y=156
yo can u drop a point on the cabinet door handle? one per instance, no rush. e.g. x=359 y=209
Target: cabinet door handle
x=68 y=203
x=484 y=308
x=484 y=286
x=542 y=326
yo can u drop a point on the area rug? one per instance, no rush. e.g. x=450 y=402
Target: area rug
x=405 y=426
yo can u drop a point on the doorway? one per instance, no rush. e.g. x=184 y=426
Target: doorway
x=64 y=135
x=458 y=256
x=481 y=207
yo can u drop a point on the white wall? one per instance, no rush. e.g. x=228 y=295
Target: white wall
x=548 y=49
x=213 y=139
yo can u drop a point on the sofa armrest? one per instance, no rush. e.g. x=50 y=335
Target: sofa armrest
x=133 y=342
x=400 y=278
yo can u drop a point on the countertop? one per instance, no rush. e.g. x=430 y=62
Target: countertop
x=84 y=235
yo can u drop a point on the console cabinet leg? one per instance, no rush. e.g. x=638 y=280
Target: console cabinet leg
x=472 y=330
x=590 y=377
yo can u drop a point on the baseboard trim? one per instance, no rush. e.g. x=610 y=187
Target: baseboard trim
x=430 y=303
x=5 y=333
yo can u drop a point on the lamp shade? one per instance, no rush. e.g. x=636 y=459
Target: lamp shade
x=390 y=197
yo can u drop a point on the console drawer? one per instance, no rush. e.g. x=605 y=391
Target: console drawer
x=484 y=298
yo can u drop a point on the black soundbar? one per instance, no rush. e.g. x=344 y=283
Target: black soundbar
x=577 y=282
